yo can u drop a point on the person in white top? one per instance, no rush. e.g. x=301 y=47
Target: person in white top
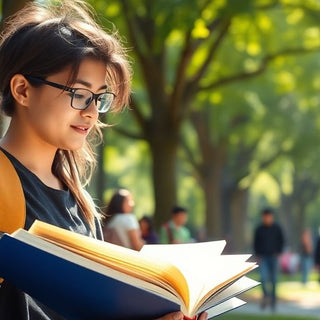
x=120 y=223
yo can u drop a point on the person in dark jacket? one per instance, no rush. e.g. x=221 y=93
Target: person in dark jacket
x=268 y=244
x=317 y=256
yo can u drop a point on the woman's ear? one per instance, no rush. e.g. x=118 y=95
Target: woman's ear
x=19 y=86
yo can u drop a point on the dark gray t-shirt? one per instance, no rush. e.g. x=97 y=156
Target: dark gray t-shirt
x=57 y=207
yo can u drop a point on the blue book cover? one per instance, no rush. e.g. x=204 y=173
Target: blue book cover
x=74 y=291
x=83 y=278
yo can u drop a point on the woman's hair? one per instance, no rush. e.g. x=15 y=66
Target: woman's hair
x=41 y=40
x=115 y=205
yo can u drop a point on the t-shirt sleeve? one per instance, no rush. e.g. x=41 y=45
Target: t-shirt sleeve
x=131 y=222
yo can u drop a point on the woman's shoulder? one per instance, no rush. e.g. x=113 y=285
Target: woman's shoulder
x=127 y=220
x=123 y=216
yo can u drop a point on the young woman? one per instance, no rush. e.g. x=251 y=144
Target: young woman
x=58 y=71
x=120 y=224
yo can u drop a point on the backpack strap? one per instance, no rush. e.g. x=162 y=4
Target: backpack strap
x=12 y=200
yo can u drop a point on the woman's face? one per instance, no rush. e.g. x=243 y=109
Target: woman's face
x=128 y=204
x=51 y=119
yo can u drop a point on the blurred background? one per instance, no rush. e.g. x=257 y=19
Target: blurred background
x=224 y=115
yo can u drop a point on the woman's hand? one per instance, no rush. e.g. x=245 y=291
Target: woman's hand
x=203 y=316
x=179 y=316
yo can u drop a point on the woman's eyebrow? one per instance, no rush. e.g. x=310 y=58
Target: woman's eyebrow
x=87 y=84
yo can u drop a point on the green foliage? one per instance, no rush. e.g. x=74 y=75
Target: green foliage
x=247 y=74
x=128 y=166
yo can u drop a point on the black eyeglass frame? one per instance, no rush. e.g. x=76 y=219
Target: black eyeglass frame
x=94 y=96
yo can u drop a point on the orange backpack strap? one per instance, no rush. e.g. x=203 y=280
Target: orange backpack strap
x=12 y=200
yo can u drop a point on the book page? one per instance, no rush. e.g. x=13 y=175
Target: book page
x=197 y=250
x=239 y=286
x=204 y=272
x=224 y=307
x=122 y=259
x=192 y=272
x=51 y=248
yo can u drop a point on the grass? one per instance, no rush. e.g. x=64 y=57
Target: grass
x=290 y=289
x=265 y=317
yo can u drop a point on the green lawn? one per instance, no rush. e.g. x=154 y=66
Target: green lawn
x=290 y=289
x=287 y=277
x=265 y=317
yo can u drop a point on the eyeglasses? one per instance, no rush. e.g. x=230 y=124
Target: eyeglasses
x=81 y=98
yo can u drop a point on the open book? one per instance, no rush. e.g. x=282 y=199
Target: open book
x=85 y=278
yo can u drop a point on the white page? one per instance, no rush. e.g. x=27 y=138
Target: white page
x=196 y=250
x=238 y=287
x=224 y=307
x=202 y=270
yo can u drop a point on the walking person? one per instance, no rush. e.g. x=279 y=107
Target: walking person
x=306 y=255
x=268 y=244
x=317 y=256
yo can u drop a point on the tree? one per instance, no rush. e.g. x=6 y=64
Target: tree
x=217 y=161
x=182 y=54
x=297 y=174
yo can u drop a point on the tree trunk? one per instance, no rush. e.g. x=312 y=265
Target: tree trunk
x=214 y=161
x=210 y=171
x=294 y=208
x=212 y=191
x=286 y=219
x=238 y=217
x=9 y=7
x=163 y=153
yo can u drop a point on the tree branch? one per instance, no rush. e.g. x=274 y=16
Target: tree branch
x=264 y=63
x=213 y=49
x=127 y=133
x=151 y=63
x=137 y=113
x=190 y=155
x=185 y=57
x=132 y=26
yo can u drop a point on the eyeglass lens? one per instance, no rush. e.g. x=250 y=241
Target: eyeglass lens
x=82 y=98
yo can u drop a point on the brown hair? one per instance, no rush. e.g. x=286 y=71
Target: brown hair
x=41 y=40
x=115 y=204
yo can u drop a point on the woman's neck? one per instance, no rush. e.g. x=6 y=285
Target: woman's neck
x=38 y=158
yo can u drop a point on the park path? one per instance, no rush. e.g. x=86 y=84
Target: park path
x=299 y=304
x=283 y=308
